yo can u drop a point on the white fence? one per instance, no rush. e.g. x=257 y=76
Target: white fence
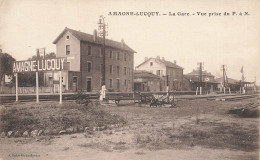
x=25 y=90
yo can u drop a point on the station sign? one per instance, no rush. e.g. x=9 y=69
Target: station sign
x=54 y=64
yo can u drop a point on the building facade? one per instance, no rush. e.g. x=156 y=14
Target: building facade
x=145 y=81
x=84 y=63
x=169 y=71
x=207 y=81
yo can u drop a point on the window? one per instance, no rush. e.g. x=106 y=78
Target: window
x=117 y=57
x=111 y=54
x=89 y=50
x=75 y=79
x=118 y=83
x=151 y=63
x=88 y=84
x=118 y=69
x=68 y=37
x=67 y=66
x=158 y=72
x=110 y=69
x=101 y=68
x=125 y=82
x=125 y=56
x=67 y=49
x=125 y=70
x=100 y=52
x=129 y=71
x=89 y=67
x=110 y=83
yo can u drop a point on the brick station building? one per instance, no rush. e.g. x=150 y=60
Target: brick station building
x=85 y=60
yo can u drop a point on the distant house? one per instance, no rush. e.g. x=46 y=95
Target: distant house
x=146 y=81
x=84 y=64
x=233 y=84
x=163 y=68
x=208 y=81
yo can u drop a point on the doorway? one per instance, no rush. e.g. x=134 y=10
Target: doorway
x=88 y=84
x=75 y=84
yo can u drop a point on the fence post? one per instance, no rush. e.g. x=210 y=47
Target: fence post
x=37 y=88
x=60 y=88
x=16 y=86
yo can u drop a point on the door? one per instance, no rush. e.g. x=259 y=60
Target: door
x=89 y=85
x=75 y=84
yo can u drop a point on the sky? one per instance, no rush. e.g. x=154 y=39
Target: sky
x=233 y=41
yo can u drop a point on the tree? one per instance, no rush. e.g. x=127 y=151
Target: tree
x=6 y=67
x=28 y=79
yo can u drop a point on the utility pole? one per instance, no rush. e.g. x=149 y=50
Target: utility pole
x=225 y=78
x=167 y=88
x=223 y=69
x=243 y=80
x=103 y=33
x=200 y=76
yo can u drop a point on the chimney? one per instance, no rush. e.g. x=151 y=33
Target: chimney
x=174 y=61
x=158 y=57
x=145 y=58
x=95 y=35
x=122 y=42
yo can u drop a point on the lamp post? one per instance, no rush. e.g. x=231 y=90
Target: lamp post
x=103 y=33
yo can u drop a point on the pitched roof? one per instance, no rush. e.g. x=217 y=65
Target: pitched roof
x=196 y=72
x=230 y=80
x=164 y=62
x=89 y=38
x=145 y=74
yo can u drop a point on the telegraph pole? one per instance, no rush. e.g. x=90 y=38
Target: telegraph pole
x=225 y=79
x=223 y=69
x=243 y=80
x=103 y=33
x=200 y=76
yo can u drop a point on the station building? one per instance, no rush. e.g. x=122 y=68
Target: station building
x=163 y=68
x=208 y=81
x=84 y=63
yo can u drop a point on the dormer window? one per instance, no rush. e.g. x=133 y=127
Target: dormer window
x=151 y=63
x=68 y=37
x=67 y=49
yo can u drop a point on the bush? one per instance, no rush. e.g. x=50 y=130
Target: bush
x=14 y=119
x=52 y=117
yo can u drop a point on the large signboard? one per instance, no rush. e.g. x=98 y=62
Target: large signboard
x=55 y=64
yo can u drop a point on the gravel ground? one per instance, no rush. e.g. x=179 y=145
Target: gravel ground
x=196 y=129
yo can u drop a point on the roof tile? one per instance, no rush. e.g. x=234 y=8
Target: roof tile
x=89 y=38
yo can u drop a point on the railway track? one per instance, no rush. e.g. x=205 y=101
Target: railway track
x=70 y=97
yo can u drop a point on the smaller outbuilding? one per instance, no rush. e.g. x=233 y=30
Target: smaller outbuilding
x=145 y=81
x=208 y=82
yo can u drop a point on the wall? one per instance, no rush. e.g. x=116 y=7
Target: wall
x=156 y=66
x=175 y=78
x=175 y=75
x=74 y=56
x=96 y=60
x=79 y=59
